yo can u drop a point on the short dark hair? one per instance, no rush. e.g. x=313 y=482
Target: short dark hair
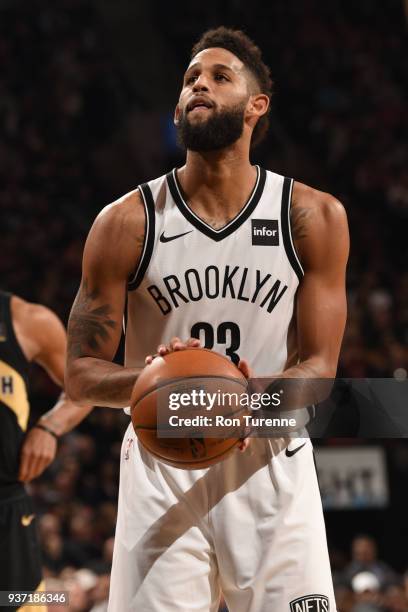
x=238 y=43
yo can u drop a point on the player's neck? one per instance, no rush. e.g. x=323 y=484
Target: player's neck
x=222 y=178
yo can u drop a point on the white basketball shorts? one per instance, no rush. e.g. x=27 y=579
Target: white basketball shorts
x=251 y=526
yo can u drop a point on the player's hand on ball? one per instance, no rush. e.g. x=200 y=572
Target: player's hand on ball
x=245 y=368
x=243 y=445
x=175 y=344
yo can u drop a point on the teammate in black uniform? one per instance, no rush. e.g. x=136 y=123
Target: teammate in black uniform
x=28 y=332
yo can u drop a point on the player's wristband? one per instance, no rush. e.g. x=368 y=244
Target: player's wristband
x=47 y=429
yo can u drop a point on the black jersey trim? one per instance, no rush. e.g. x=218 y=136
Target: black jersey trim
x=286 y=228
x=148 y=242
x=6 y=318
x=217 y=235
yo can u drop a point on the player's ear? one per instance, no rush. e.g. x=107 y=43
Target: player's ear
x=258 y=105
x=176 y=115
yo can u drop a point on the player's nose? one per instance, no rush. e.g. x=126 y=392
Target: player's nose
x=201 y=84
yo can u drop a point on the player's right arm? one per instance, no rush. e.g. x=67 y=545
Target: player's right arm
x=111 y=255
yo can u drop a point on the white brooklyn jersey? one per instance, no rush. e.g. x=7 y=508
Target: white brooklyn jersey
x=233 y=287
x=251 y=525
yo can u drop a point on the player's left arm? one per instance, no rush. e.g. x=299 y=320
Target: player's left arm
x=47 y=339
x=320 y=233
x=321 y=237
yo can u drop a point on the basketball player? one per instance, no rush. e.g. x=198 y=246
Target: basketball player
x=28 y=332
x=253 y=265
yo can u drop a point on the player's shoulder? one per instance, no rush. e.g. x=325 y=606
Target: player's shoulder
x=130 y=209
x=116 y=238
x=127 y=210
x=22 y=309
x=316 y=217
x=37 y=327
x=31 y=314
x=309 y=202
x=118 y=227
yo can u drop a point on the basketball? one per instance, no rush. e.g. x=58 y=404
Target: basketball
x=185 y=372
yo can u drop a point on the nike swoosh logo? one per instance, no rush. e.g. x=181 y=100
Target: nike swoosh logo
x=164 y=238
x=27 y=519
x=290 y=453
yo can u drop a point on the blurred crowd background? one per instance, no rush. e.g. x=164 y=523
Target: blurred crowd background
x=87 y=91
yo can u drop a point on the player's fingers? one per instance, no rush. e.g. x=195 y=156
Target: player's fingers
x=23 y=469
x=29 y=464
x=243 y=445
x=41 y=465
x=176 y=344
x=150 y=358
x=244 y=367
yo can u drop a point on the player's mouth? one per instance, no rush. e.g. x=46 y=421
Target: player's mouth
x=199 y=104
x=199 y=109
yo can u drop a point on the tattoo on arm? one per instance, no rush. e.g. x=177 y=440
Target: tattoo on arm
x=298 y=220
x=89 y=326
x=140 y=240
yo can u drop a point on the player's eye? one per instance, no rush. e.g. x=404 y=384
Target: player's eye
x=191 y=79
x=221 y=77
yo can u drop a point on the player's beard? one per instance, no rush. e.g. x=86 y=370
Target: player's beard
x=222 y=128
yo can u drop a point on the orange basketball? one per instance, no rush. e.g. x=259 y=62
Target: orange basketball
x=195 y=435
